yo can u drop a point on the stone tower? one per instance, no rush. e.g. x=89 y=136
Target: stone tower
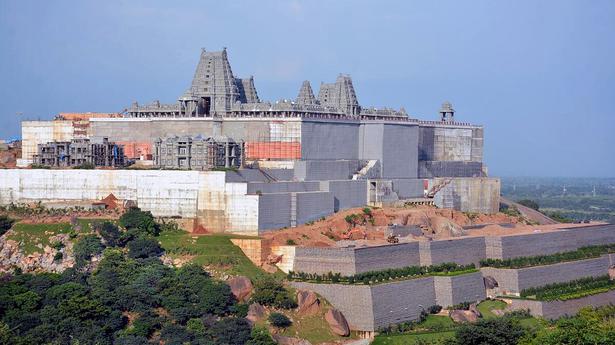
x=213 y=88
x=306 y=95
x=447 y=113
x=247 y=91
x=340 y=95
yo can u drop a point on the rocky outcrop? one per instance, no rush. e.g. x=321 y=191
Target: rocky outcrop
x=462 y=316
x=337 y=322
x=490 y=282
x=241 y=287
x=256 y=312
x=45 y=260
x=282 y=340
x=308 y=303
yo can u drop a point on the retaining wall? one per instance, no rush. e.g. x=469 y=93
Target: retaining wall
x=480 y=194
x=505 y=247
x=556 y=309
x=387 y=256
x=463 y=251
x=313 y=206
x=457 y=289
x=346 y=194
x=274 y=211
x=515 y=280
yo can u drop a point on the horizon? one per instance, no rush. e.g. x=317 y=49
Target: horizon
x=554 y=69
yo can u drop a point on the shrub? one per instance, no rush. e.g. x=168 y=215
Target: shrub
x=279 y=320
x=5 y=224
x=503 y=331
x=57 y=245
x=109 y=232
x=270 y=292
x=142 y=221
x=434 y=309
x=58 y=257
x=86 y=165
x=291 y=242
x=144 y=247
x=529 y=203
x=85 y=248
x=571 y=290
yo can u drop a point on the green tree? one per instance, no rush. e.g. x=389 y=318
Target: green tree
x=110 y=233
x=144 y=247
x=139 y=222
x=231 y=331
x=529 y=203
x=279 y=320
x=260 y=336
x=85 y=248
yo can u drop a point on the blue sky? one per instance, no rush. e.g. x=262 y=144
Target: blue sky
x=539 y=75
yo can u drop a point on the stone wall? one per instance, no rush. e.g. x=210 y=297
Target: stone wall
x=556 y=309
x=354 y=301
x=325 y=260
x=401 y=301
x=312 y=206
x=506 y=247
x=463 y=251
x=457 y=289
x=514 y=280
x=469 y=194
x=387 y=256
x=346 y=194
x=274 y=211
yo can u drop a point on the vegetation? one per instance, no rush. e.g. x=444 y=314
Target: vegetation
x=487 y=307
x=279 y=320
x=5 y=224
x=270 y=292
x=529 y=261
x=34 y=237
x=589 y=327
x=510 y=211
x=376 y=277
x=501 y=331
x=211 y=250
x=570 y=290
x=568 y=199
x=529 y=203
x=85 y=165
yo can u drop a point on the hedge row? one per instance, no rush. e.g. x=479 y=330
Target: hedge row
x=375 y=277
x=570 y=290
x=540 y=260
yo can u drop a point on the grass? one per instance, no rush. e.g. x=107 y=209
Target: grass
x=409 y=339
x=210 y=250
x=31 y=236
x=312 y=328
x=486 y=308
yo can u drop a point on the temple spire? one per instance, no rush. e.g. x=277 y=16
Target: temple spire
x=306 y=95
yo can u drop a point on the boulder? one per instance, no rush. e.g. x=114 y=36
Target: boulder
x=282 y=340
x=462 y=316
x=255 y=312
x=474 y=308
x=241 y=287
x=612 y=273
x=490 y=282
x=308 y=303
x=337 y=322
x=273 y=259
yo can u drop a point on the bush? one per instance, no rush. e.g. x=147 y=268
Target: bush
x=501 y=331
x=85 y=248
x=58 y=257
x=529 y=203
x=260 y=336
x=144 y=247
x=141 y=221
x=5 y=224
x=279 y=320
x=571 y=290
x=434 y=309
x=109 y=232
x=291 y=242
x=270 y=292
x=86 y=165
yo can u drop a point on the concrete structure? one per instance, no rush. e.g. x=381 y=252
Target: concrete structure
x=80 y=151
x=371 y=307
x=198 y=153
x=513 y=281
x=330 y=138
x=556 y=309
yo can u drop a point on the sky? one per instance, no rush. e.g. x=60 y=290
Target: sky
x=539 y=75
